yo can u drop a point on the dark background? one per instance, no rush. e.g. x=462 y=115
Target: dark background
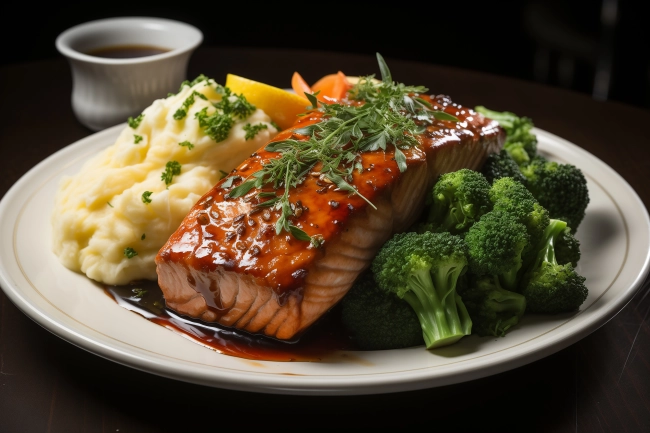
x=562 y=43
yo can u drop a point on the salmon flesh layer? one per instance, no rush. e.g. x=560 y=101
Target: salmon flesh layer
x=226 y=264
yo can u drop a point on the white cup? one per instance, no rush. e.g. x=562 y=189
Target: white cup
x=106 y=91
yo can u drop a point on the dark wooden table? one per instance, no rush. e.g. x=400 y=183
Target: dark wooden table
x=600 y=384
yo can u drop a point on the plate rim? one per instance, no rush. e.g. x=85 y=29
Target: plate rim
x=314 y=385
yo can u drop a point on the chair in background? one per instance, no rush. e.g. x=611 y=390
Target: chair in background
x=562 y=42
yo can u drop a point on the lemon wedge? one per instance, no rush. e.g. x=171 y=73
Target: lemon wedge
x=280 y=105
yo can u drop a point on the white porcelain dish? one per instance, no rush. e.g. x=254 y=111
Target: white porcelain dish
x=615 y=237
x=106 y=91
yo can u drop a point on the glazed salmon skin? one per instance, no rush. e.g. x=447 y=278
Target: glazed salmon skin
x=226 y=263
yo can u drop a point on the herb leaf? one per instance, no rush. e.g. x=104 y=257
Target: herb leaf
x=146 y=197
x=172 y=168
x=252 y=130
x=134 y=123
x=129 y=252
x=386 y=77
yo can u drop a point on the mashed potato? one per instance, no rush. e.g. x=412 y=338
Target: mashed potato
x=110 y=220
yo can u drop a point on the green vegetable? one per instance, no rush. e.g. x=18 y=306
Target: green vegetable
x=512 y=197
x=493 y=309
x=567 y=248
x=129 y=253
x=501 y=164
x=187 y=144
x=495 y=247
x=378 y=319
x=520 y=143
x=550 y=287
x=560 y=188
x=137 y=138
x=458 y=200
x=423 y=269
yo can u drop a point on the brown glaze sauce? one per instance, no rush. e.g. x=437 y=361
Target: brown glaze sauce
x=324 y=338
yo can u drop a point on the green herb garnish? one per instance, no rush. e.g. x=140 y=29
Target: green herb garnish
x=253 y=130
x=217 y=126
x=137 y=138
x=182 y=112
x=129 y=253
x=146 y=197
x=172 y=168
x=195 y=81
x=134 y=123
x=187 y=144
x=109 y=203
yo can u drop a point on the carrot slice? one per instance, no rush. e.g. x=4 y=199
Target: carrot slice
x=332 y=87
x=341 y=86
x=299 y=85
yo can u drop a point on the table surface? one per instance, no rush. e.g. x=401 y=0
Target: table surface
x=601 y=383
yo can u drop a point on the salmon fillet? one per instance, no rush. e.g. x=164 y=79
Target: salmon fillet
x=226 y=264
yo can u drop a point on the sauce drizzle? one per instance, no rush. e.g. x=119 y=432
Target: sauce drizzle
x=324 y=338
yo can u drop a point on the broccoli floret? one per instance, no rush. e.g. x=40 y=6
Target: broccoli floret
x=501 y=164
x=512 y=197
x=560 y=188
x=518 y=153
x=458 y=199
x=378 y=319
x=518 y=134
x=495 y=247
x=567 y=248
x=423 y=269
x=493 y=309
x=548 y=286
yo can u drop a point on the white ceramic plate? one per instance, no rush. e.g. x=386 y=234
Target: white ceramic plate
x=615 y=238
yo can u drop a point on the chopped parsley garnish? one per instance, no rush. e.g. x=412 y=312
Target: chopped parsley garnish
x=146 y=197
x=129 y=253
x=137 y=138
x=231 y=107
x=138 y=292
x=195 y=81
x=217 y=126
x=252 y=130
x=182 y=112
x=134 y=123
x=187 y=144
x=391 y=115
x=172 y=168
x=237 y=107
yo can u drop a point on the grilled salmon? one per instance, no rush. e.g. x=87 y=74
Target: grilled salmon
x=226 y=263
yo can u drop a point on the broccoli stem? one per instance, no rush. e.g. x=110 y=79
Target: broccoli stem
x=437 y=311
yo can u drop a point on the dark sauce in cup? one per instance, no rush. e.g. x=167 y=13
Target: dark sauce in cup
x=127 y=51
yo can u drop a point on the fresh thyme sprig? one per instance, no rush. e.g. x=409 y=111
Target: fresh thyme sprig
x=392 y=114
